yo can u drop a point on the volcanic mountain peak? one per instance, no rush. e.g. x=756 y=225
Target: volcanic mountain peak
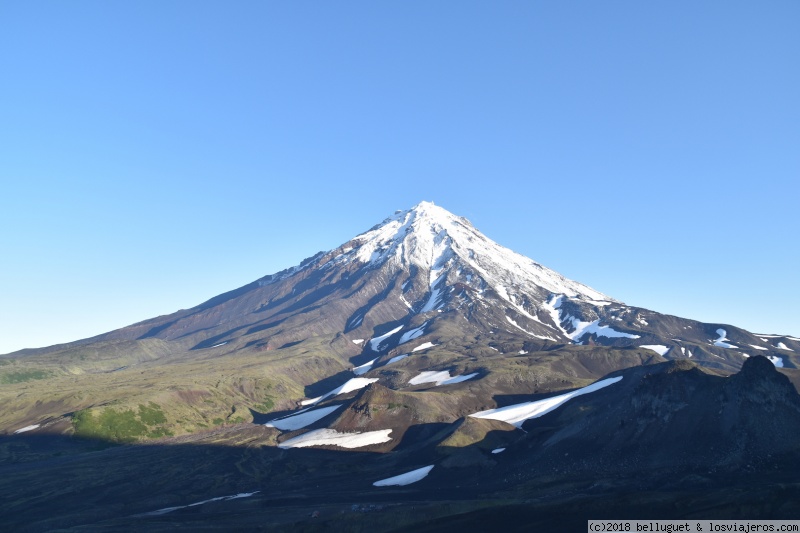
x=434 y=240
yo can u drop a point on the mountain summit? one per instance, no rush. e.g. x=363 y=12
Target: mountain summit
x=451 y=250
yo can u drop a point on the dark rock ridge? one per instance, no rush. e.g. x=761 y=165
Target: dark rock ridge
x=673 y=416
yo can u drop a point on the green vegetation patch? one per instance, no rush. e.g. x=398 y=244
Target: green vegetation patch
x=266 y=405
x=152 y=415
x=121 y=426
x=21 y=376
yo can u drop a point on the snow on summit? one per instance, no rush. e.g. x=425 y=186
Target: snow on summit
x=433 y=239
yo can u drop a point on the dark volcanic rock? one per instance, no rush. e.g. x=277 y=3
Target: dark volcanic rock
x=673 y=416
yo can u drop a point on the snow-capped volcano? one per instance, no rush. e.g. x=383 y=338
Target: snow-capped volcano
x=443 y=263
x=429 y=276
x=446 y=246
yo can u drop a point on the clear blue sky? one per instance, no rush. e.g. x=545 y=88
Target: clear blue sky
x=155 y=154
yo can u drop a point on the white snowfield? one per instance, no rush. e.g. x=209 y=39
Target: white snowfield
x=405 y=479
x=413 y=334
x=518 y=413
x=301 y=419
x=776 y=336
x=440 y=378
x=424 y=346
x=358 y=341
x=553 y=307
x=722 y=338
x=435 y=300
x=498 y=450
x=782 y=346
x=660 y=349
x=777 y=361
x=583 y=328
x=375 y=343
x=532 y=334
x=27 y=428
x=397 y=358
x=758 y=347
x=363 y=369
x=350 y=386
x=331 y=437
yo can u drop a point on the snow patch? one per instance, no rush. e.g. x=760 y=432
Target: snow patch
x=722 y=338
x=436 y=294
x=758 y=347
x=511 y=321
x=363 y=369
x=582 y=328
x=777 y=361
x=782 y=346
x=397 y=358
x=424 y=346
x=220 y=344
x=358 y=341
x=518 y=413
x=440 y=378
x=301 y=420
x=498 y=450
x=552 y=306
x=351 y=385
x=331 y=437
x=660 y=349
x=405 y=479
x=503 y=293
x=413 y=334
x=27 y=428
x=375 y=342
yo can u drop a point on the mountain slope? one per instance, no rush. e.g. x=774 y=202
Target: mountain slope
x=418 y=346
